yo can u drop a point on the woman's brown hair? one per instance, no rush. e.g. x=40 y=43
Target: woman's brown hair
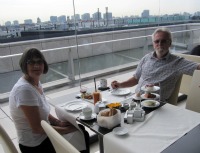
x=29 y=54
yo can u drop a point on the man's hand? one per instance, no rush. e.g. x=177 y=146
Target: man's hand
x=115 y=84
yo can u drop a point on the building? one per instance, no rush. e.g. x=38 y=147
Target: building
x=53 y=19
x=96 y=16
x=15 y=23
x=85 y=16
x=28 y=21
x=197 y=13
x=107 y=16
x=77 y=17
x=186 y=14
x=145 y=14
x=62 y=19
x=8 y=23
x=38 y=20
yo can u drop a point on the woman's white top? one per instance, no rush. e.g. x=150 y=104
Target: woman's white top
x=23 y=93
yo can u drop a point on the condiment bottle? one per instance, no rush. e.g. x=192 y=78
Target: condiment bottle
x=99 y=106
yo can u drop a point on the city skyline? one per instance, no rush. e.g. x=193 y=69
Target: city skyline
x=20 y=10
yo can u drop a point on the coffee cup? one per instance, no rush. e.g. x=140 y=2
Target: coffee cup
x=87 y=112
x=103 y=83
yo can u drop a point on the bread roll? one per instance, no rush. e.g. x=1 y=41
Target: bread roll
x=105 y=113
x=108 y=113
x=112 y=112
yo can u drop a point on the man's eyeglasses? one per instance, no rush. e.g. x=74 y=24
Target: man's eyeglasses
x=33 y=62
x=163 y=41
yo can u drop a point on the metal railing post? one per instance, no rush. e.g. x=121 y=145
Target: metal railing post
x=146 y=48
x=190 y=42
x=70 y=72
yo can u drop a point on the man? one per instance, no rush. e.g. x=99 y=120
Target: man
x=159 y=67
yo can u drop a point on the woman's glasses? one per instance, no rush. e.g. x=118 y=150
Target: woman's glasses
x=33 y=62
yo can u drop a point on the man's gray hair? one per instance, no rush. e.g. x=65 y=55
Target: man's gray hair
x=164 y=30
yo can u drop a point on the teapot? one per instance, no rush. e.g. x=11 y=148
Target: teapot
x=99 y=106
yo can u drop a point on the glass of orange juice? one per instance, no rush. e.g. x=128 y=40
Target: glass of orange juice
x=96 y=96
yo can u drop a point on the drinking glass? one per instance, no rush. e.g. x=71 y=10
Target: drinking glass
x=83 y=91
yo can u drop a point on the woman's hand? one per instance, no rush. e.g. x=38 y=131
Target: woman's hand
x=71 y=128
x=64 y=124
x=65 y=130
x=56 y=122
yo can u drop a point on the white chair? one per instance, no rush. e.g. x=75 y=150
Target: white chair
x=186 y=79
x=174 y=97
x=182 y=85
x=60 y=144
x=6 y=142
x=193 y=100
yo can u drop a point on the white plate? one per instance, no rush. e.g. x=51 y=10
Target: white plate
x=120 y=130
x=76 y=105
x=155 y=88
x=145 y=103
x=120 y=92
x=93 y=116
x=157 y=96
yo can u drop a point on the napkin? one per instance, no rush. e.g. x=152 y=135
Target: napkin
x=75 y=138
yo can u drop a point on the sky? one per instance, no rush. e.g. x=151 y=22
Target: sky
x=20 y=10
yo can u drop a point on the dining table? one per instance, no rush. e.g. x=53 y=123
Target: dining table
x=165 y=128
x=160 y=129
x=62 y=102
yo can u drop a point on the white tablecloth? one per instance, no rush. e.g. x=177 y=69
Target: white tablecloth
x=160 y=129
x=71 y=116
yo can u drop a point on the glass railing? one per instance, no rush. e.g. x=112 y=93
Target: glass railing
x=106 y=57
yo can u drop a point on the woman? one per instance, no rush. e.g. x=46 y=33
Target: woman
x=28 y=106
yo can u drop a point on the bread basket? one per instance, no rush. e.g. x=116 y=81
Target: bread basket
x=110 y=118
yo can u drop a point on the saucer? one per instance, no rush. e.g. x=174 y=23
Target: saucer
x=93 y=116
x=155 y=88
x=103 y=88
x=120 y=131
